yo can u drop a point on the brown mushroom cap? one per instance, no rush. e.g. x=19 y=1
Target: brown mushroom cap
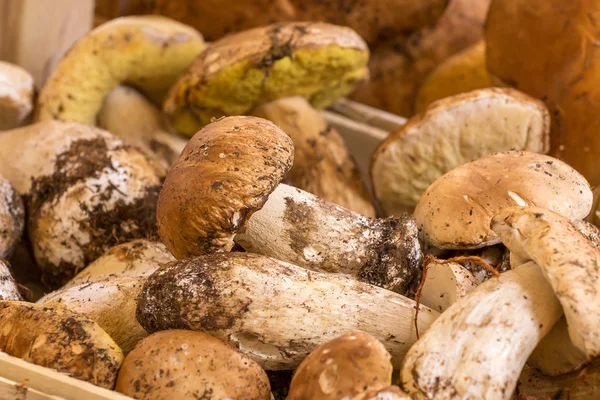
x=224 y=174
x=179 y=364
x=456 y=210
x=451 y=132
x=370 y=19
x=343 y=367
x=547 y=48
x=319 y=61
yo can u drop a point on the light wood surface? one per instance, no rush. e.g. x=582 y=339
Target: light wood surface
x=34 y=34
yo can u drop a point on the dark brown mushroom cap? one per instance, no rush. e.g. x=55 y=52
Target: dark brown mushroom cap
x=224 y=174
x=318 y=61
x=342 y=368
x=180 y=364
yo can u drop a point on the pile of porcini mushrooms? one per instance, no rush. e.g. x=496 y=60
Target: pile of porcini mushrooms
x=197 y=229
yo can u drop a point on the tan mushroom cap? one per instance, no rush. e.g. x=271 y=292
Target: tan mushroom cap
x=179 y=364
x=449 y=133
x=569 y=261
x=343 y=367
x=224 y=174
x=456 y=210
x=319 y=61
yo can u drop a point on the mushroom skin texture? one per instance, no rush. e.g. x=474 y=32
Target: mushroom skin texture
x=225 y=182
x=85 y=191
x=52 y=336
x=322 y=164
x=456 y=210
x=481 y=333
x=190 y=365
x=258 y=304
x=8 y=286
x=148 y=52
x=463 y=72
x=399 y=66
x=130 y=116
x=344 y=367
x=318 y=61
x=371 y=19
x=450 y=133
x=107 y=290
x=445 y=283
x=12 y=218
x=16 y=95
x=529 y=48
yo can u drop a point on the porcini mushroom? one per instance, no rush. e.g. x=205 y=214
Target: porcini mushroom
x=86 y=191
x=478 y=346
x=130 y=116
x=452 y=132
x=12 y=218
x=8 y=287
x=463 y=72
x=275 y=312
x=456 y=210
x=190 y=365
x=445 y=283
x=344 y=367
x=148 y=52
x=54 y=337
x=226 y=182
x=282 y=68
x=16 y=95
x=106 y=291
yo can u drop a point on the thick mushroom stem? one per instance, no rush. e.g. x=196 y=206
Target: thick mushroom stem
x=322 y=164
x=275 y=312
x=445 y=283
x=298 y=227
x=8 y=287
x=85 y=189
x=478 y=347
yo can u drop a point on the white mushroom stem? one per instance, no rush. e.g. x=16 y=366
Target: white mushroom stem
x=16 y=95
x=478 y=347
x=8 y=287
x=86 y=191
x=298 y=227
x=275 y=312
x=107 y=290
x=445 y=283
x=130 y=116
x=12 y=218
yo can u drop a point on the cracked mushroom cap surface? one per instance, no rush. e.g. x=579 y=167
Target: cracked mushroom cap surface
x=456 y=210
x=318 y=61
x=569 y=261
x=224 y=174
x=449 y=133
x=343 y=367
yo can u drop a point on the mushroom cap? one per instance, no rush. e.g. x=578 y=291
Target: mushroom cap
x=569 y=261
x=319 y=61
x=461 y=73
x=456 y=210
x=12 y=218
x=224 y=174
x=190 y=365
x=342 y=368
x=370 y=18
x=528 y=47
x=449 y=133
x=16 y=95
x=149 y=52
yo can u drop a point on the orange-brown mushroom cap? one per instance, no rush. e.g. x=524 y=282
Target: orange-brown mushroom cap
x=224 y=174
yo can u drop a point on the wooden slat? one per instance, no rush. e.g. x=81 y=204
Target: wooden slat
x=50 y=382
x=35 y=34
x=10 y=390
x=367 y=115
